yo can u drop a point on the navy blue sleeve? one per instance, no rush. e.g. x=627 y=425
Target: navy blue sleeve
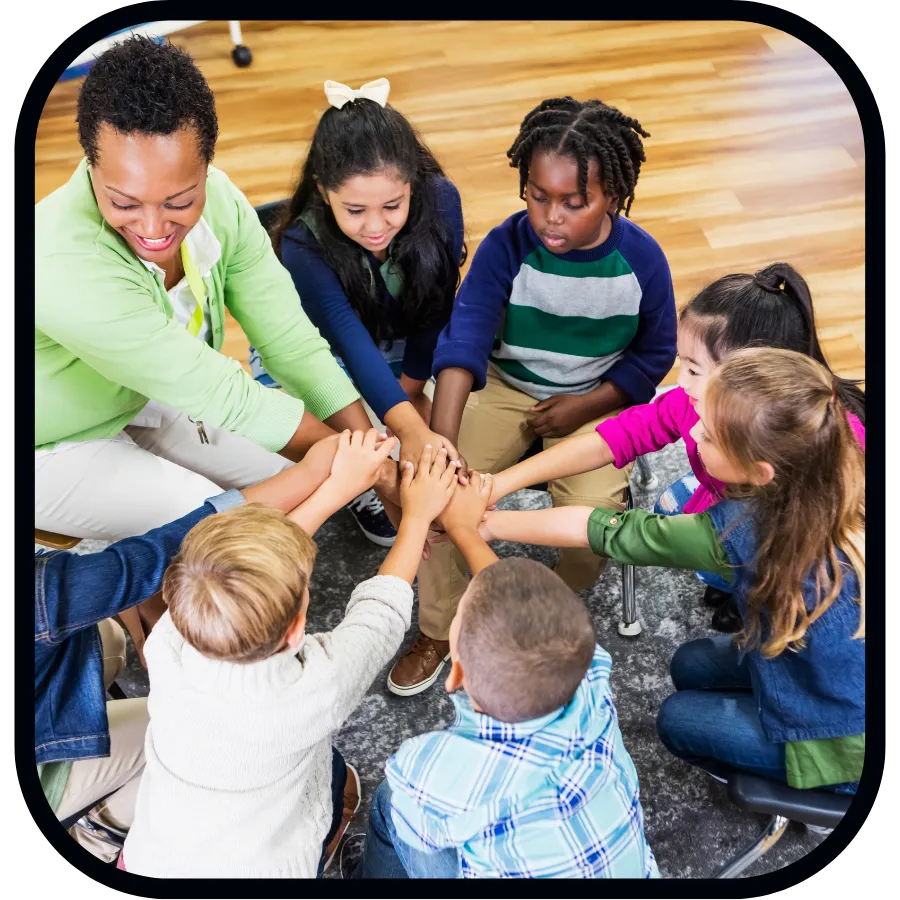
x=651 y=353
x=75 y=591
x=418 y=357
x=328 y=308
x=468 y=339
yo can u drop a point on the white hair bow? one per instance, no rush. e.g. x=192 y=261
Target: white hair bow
x=338 y=94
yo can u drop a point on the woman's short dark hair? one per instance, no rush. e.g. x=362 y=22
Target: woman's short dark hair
x=149 y=87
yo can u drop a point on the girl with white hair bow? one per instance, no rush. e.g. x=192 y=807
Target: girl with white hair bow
x=373 y=238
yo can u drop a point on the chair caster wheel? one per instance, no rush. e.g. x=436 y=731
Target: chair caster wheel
x=632 y=630
x=242 y=56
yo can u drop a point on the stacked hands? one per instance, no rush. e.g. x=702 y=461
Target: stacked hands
x=435 y=495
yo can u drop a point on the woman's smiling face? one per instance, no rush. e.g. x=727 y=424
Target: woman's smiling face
x=150 y=188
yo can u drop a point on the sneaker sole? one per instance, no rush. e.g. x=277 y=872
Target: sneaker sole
x=375 y=539
x=337 y=846
x=413 y=689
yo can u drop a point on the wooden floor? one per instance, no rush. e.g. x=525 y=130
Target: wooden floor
x=756 y=152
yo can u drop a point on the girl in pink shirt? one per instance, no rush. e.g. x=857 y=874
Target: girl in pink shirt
x=772 y=308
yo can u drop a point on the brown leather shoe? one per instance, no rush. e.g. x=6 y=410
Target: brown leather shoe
x=419 y=667
x=352 y=799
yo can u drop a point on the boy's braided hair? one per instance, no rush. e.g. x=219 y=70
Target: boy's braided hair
x=584 y=130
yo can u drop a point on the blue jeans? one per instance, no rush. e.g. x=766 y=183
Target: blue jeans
x=712 y=719
x=670 y=503
x=338 y=783
x=393 y=357
x=386 y=856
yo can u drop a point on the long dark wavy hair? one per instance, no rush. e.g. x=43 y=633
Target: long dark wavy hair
x=363 y=138
x=771 y=308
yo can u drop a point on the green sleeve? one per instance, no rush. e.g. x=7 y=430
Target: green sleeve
x=645 y=539
x=812 y=764
x=53 y=777
x=261 y=295
x=104 y=314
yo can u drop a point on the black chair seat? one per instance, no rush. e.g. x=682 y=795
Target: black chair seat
x=812 y=807
x=268 y=212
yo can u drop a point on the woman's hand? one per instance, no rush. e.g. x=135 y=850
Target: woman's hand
x=467 y=508
x=359 y=460
x=315 y=466
x=425 y=491
x=413 y=443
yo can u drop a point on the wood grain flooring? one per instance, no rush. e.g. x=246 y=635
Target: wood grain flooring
x=756 y=152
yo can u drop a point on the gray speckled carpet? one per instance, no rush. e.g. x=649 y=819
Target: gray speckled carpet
x=690 y=823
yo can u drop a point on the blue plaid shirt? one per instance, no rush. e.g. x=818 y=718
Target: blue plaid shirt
x=553 y=797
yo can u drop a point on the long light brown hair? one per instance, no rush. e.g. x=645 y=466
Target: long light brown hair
x=781 y=407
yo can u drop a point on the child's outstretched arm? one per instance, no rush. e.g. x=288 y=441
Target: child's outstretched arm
x=423 y=496
x=462 y=518
x=562 y=526
x=354 y=468
x=635 y=537
x=573 y=457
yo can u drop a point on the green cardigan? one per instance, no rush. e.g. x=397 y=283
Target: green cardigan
x=106 y=339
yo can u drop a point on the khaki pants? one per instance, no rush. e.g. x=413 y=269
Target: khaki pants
x=118 y=774
x=493 y=435
x=142 y=478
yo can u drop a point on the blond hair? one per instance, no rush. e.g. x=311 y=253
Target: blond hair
x=781 y=407
x=238 y=582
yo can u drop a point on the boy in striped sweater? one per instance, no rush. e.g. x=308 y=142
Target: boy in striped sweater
x=566 y=316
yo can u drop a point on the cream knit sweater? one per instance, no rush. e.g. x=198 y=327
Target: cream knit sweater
x=238 y=776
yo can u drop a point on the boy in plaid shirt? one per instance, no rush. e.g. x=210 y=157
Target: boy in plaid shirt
x=532 y=779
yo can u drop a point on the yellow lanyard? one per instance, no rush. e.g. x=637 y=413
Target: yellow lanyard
x=197 y=289
x=196 y=321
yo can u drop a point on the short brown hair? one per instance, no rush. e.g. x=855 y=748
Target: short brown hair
x=237 y=584
x=526 y=640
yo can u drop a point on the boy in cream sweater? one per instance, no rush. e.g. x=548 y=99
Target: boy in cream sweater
x=241 y=779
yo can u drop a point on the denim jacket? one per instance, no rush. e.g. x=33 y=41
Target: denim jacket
x=72 y=593
x=816 y=692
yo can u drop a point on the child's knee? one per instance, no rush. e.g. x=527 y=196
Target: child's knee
x=680 y=666
x=669 y=721
x=381 y=802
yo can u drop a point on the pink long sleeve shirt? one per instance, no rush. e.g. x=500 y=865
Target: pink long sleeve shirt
x=652 y=426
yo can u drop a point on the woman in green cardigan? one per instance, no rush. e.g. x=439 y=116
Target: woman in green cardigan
x=138 y=416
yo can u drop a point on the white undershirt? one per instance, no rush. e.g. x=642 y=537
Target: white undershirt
x=205 y=250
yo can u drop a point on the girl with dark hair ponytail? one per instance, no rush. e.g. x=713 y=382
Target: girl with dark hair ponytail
x=771 y=308
x=373 y=239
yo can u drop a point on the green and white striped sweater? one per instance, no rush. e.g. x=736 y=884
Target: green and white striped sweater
x=567 y=323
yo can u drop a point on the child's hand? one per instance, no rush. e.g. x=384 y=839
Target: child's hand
x=359 y=460
x=484 y=529
x=424 y=495
x=560 y=415
x=466 y=509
